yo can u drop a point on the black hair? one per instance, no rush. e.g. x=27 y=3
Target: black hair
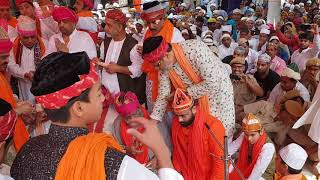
x=152 y=43
x=5 y=107
x=62 y=114
x=149 y=5
x=291 y=170
x=307 y=36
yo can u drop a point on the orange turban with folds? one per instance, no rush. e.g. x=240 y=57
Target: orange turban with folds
x=117 y=15
x=64 y=13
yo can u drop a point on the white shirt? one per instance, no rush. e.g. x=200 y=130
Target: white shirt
x=79 y=41
x=110 y=81
x=27 y=65
x=131 y=168
x=277 y=93
x=264 y=158
x=251 y=59
x=49 y=27
x=12 y=33
x=88 y=24
x=224 y=51
x=301 y=58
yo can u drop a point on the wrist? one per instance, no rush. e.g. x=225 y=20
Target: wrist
x=163 y=156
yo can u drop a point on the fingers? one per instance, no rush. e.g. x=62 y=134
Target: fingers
x=136 y=134
x=140 y=120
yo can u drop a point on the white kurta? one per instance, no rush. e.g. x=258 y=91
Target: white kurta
x=49 y=27
x=277 y=93
x=79 y=41
x=110 y=81
x=224 y=51
x=251 y=59
x=12 y=33
x=27 y=65
x=265 y=157
x=88 y=24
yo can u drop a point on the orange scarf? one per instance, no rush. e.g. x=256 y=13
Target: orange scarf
x=137 y=6
x=166 y=32
x=243 y=163
x=85 y=14
x=128 y=140
x=93 y=35
x=38 y=24
x=84 y=158
x=13 y=22
x=20 y=135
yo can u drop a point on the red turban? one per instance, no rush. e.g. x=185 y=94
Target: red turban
x=19 y=2
x=117 y=15
x=157 y=54
x=64 y=13
x=88 y=3
x=4 y=4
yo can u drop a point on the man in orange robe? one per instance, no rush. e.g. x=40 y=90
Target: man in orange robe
x=196 y=154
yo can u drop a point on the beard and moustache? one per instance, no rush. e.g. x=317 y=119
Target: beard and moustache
x=188 y=123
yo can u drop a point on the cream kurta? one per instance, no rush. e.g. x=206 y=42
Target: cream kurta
x=216 y=84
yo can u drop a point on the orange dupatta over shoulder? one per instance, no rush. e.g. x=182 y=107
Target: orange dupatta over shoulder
x=84 y=158
x=167 y=33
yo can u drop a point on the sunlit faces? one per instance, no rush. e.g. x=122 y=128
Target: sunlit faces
x=92 y=110
x=253 y=137
x=4 y=59
x=238 y=69
x=29 y=41
x=27 y=9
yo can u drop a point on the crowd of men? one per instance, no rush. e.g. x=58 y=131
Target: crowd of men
x=158 y=91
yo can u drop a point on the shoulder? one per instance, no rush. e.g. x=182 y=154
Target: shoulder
x=215 y=125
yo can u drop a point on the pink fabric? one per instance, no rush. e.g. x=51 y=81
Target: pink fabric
x=278 y=65
x=64 y=13
x=5 y=46
x=5 y=3
x=88 y=3
x=157 y=54
x=129 y=105
x=7 y=123
x=4 y=24
x=60 y=98
x=26 y=33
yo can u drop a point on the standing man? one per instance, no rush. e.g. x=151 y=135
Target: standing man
x=28 y=50
x=70 y=39
x=192 y=141
x=191 y=66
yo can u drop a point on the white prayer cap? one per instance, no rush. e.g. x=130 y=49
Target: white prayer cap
x=309 y=2
x=99 y=6
x=297 y=6
x=301 y=4
x=213 y=4
x=101 y=35
x=220 y=18
x=236 y=11
x=184 y=31
x=261 y=20
x=216 y=12
x=251 y=19
x=198 y=8
x=294 y=156
x=203 y=11
x=205 y=33
x=274 y=38
x=244 y=19
x=115 y=5
x=183 y=5
x=208 y=40
x=140 y=21
x=170 y=16
x=291 y=74
x=265 y=31
x=225 y=35
x=265 y=58
x=287 y=5
x=227 y=28
x=107 y=6
x=26 y=26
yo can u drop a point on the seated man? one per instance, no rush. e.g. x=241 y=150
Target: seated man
x=69 y=151
x=289 y=81
x=290 y=162
x=245 y=87
x=192 y=141
x=310 y=76
x=256 y=154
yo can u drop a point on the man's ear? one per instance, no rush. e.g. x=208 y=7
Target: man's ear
x=194 y=110
x=77 y=109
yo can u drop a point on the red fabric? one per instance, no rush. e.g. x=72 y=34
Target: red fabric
x=5 y=46
x=64 y=13
x=7 y=123
x=243 y=163
x=294 y=42
x=60 y=98
x=156 y=54
x=88 y=3
x=19 y=2
x=117 y=15
x=5 y=3
x=128 y=140
x=192 y=147
x=130 y=104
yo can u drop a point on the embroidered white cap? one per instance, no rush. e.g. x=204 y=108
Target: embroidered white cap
x=227 y=28
x=294 y=156
x=236 y=11
x=274 y=38
x=265 y=31
x=225 y=35
x=291 y=74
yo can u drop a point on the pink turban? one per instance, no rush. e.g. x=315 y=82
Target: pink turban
x=126 y=103
x=88 y=3
x=64 y=13
x=26 y=26
x=5 y=43
x=117 y=15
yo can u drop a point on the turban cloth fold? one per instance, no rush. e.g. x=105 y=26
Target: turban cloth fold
x=64 y=13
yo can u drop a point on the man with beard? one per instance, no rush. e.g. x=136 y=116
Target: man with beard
x=192 y=142
x=227 y=46
x=70 y=39
x=266 y=78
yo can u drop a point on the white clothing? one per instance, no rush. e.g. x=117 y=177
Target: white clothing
x=79 y=41
x=264 y=159
x=88 y=24
x=224 y=51
x=49 y=27
x=12 y=33
x=277 y=93
x=27 y=65
x=301 y=58
x=131 y=168
x=138 y=36
x=251 y=59
x=110 y=81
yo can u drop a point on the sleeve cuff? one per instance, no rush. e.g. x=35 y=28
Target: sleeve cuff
x=136 y=72
x=169 y=174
